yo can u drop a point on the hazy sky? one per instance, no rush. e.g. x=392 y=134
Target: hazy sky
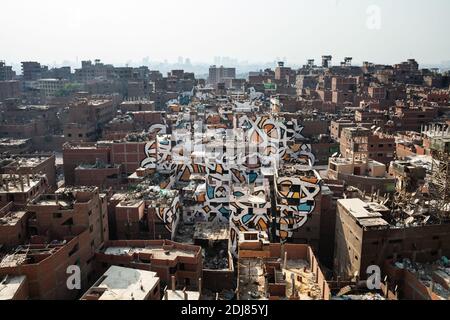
x=253 y=30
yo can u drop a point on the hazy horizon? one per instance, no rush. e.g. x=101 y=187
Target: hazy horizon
x=258 y=32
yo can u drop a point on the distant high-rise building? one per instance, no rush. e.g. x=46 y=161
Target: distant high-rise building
x=219 y=74
x=326 y=61
x=32 y=70
x=6 y=72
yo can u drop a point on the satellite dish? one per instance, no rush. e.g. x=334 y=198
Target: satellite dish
x=426 y=219
x=334 y=155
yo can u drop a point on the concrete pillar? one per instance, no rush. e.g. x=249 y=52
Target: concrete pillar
x=293 y=285
x=185 y=295
x=200 y=285
x=285 y=260
x=21 y=183
x=386 y=292
x=28 y=179
x=173 y=283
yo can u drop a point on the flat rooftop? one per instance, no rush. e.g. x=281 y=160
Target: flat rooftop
x=13 y=142
x=65 y=198
x=12 y=218
x=157 y=252
x=137 y=102
x=9 y=285
x=180 y=295
x=349 y=161
x=30 y=254
x=25 y=161
x=367 y=214
x=119 y=283
x=18 y=183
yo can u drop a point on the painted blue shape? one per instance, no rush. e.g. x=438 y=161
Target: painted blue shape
x=252 y=176
x=225 y=212
x=304 y=207
x=247 y=218
x=210 y=192
x=238 y=194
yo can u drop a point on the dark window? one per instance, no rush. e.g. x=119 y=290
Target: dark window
x=68 y=222
x=57 y=215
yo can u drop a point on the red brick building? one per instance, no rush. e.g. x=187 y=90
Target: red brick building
x=166 y=258
x=13 y=226
x=20 y=189
x=86 y=153
x=59 y=213
x=31 y=164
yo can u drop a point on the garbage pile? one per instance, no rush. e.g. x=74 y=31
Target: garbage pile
x=366 y=296
x=435 y=276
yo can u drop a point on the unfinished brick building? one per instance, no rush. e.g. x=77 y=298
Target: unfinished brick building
x=166 y=258
x=13 y=226
x=364 y=238
x=70 y=208
x=278 y=272
x=31 y=164
x=20 y=189
x=45 y=263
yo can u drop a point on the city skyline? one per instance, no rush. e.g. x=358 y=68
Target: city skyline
x=368 y=30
